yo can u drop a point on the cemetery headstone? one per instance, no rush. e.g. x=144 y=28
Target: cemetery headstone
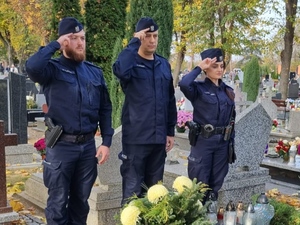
x=4 y=103
x=293 y=91
x=5 y=140
x=18 y=112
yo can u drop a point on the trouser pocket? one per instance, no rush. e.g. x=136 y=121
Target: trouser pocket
x=52 y=174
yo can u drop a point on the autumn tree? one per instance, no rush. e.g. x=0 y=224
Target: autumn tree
x=286 y=53
x=228 y=24
x=104 y=23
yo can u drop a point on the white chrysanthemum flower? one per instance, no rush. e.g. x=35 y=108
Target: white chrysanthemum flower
x=130 y=215
x=180 y=182
x=156 y=192
x=285 y=142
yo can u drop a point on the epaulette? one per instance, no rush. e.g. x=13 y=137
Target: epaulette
x=92 y=64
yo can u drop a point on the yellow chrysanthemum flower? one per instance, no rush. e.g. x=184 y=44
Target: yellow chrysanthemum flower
x=180 y=182
x=156 y=192
x=130 y=215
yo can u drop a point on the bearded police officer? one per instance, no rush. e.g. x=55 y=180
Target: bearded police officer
x=78 y=101
x=149 y=111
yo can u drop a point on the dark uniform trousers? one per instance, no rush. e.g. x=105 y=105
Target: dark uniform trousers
x=141 y=164
x=69 y=166
x=208 y=161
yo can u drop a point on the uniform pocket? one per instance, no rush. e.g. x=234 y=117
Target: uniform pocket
x=52 y=174
x=93 y=89
x=194 y=167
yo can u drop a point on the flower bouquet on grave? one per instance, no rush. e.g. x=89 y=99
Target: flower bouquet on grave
x=40 y=146
x=275 y=124
x=182 y=205
x=282 y=149
x=182 y=117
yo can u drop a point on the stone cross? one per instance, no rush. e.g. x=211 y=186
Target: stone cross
x=5 y=140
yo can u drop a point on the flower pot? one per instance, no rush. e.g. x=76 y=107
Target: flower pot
x=180 y=129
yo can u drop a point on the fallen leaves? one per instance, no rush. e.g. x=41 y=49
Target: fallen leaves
x=293 y=200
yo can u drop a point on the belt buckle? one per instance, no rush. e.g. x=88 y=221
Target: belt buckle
x=208 y=128
x=80 y=138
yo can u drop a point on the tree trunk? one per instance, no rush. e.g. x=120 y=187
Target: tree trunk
x=286 y=54
x=179 y=60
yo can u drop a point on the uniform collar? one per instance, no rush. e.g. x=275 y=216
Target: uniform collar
x=69 y=62
x=210 y=83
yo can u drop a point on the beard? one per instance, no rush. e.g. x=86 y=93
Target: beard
x=78 y=57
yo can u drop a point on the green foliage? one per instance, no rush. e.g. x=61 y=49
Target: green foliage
x=251 y=79
x=161 y=12
x=284 y=214
x=105 y=21
x=31 y=104
x=115 y=90
x=61 y=9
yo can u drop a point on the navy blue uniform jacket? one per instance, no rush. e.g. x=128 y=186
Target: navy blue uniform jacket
x=149 y=113
x=75 y=93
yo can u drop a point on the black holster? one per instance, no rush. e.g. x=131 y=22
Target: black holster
x=231 y=153
x=194 y=131
x=52 y=133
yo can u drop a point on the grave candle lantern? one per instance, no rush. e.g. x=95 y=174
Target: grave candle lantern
x=264 y=210
x=249 y=217
x=230 y=214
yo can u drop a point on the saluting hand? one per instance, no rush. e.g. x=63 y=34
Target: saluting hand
x=102 y=151
x=206 y=63
x=141 y=34
x=64 y=40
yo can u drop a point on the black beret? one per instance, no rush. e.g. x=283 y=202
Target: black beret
x=212 y=53
x=69 y=25
x=144 y=23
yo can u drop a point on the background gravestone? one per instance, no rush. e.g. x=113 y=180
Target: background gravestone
x=14 y=111
x=293 y=91
x=4 y=104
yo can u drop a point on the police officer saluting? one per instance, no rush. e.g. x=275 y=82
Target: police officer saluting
x=213 y=114
x=78 y=101
x=149 y=111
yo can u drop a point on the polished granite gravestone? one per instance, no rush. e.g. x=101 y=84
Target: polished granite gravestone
x=18 y=106
x=4 y=103
x=6 y=212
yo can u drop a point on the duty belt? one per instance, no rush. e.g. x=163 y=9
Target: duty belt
x=209 y=130
x=77 y=139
